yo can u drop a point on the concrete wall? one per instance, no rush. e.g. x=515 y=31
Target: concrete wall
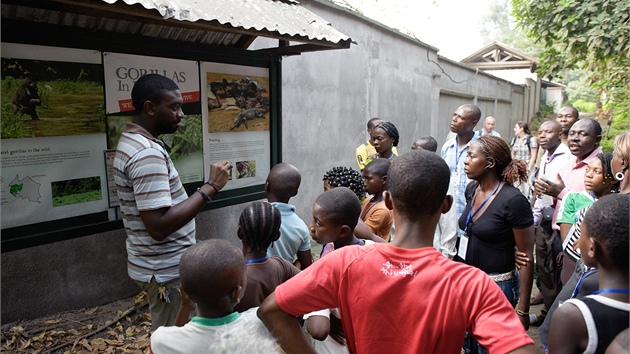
x=84 y=272
x=555 y=98
x=327 y=99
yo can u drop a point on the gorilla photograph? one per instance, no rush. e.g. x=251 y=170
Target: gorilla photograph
x=47 y=98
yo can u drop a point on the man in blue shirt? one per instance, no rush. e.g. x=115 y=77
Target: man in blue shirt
x=454 y=152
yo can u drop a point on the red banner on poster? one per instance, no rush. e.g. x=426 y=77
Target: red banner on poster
x=127 y=105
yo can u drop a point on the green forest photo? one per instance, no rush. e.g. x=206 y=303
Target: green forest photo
x=47 y=98
x=75 y=191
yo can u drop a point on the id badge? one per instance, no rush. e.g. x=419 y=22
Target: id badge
x=463 y=246
x=454 y=183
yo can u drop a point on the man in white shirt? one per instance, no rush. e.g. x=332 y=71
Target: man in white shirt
x=488 y=127
x=548 y=245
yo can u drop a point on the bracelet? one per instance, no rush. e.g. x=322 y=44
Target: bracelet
x=214 y=185
x=522 y=313
x=204 y=195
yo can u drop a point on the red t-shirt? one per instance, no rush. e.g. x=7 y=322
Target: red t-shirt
x=395 y=300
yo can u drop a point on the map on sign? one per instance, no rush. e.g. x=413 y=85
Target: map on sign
x=24 y=188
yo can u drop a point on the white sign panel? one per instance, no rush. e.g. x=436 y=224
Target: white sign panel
x=236 y=119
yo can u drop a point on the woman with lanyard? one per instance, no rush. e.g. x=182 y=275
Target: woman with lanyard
x=384 y=137
x=497 y=218
x=598 y=182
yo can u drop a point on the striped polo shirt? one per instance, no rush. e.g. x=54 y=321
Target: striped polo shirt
x=146 y=179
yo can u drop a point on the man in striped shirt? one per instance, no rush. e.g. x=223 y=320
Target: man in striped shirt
x=157 y=213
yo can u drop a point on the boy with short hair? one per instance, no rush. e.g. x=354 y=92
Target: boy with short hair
x=335 y=215
x=212 y=275
x=590 y=323
x=374 y=213
x=282 y=183
x=426 y=301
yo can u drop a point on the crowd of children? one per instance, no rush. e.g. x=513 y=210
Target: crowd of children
x=381 y=294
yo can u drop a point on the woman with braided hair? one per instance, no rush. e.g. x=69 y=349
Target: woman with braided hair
x=384 y=137
x=258 y=228
x=497 y=218
x=599 y=181
x=345 y=177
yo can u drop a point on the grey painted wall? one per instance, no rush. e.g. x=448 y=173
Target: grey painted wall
x=327 y=99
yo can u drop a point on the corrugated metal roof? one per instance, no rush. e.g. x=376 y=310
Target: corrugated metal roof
x=233 y=23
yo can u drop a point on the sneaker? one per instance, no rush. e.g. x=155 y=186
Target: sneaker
x=537 y=320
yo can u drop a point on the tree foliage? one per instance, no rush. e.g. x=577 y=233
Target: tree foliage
x=580 y=33
x=588 y=35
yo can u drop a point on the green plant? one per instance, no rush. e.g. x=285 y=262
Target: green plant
x=584 y=106
x=592 y=36
x=546 y=110
x=12 y=126
x=619 y=110
x=188 y=137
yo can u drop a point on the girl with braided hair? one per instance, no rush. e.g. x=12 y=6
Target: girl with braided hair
x=258 y=228
x=497 y=218
x=598 y=182
x=384 y=137
x=345 y=177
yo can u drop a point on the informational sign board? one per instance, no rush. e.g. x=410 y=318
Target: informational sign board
x=53 y=134
x=64 y=109
x=236 y=112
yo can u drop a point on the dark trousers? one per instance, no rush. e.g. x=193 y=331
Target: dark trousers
x=548 y=245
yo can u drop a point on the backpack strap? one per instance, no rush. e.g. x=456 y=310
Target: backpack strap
x=528 y=143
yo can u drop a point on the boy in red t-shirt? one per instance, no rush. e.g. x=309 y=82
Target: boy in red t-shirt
x=404 y=296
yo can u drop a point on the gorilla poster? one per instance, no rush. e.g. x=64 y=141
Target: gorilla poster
x=53 y=134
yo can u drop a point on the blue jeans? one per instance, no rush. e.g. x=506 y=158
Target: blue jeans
x=512 y=290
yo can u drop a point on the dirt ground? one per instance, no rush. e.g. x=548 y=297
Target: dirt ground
x=119 y=327
x=533 y=331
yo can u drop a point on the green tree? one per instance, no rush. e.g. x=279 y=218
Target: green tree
x=578 y=86
x=593 y=35
x=588 y=35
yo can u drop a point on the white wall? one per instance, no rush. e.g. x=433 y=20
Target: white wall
x=554 y=96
